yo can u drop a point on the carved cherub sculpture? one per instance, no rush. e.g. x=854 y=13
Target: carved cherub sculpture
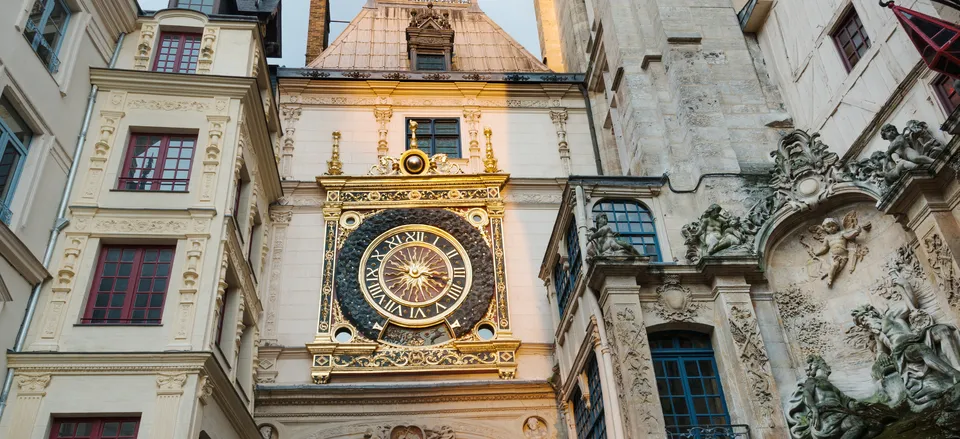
x=606 y=242
x=535 y=428
x=833 y=240
x=819 y=410
x=909 y=150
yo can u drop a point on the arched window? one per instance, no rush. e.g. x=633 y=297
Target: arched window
x=687 y=381
x=633 y=222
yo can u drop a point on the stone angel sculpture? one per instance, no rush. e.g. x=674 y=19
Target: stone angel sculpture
x=715 y=232
x=603 y=241
x=817 y=409
x=833 y=240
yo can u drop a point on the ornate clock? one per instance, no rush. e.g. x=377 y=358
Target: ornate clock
x=413 y=275
x=407 y=272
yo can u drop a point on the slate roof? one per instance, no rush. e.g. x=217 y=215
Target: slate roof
x=376 y=40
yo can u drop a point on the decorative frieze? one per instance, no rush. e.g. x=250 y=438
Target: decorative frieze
x=208 y=48
x=559 y=118
x=141 y=61
x=200 y=106
x=93 y=180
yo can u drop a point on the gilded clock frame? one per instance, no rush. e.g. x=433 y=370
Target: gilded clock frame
x=478 y=199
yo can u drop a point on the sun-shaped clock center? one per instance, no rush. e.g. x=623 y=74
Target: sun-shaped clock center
x=416 y=273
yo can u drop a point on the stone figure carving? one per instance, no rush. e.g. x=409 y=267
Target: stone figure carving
x=833 y=241
x=604 y=242
x=441 y=432
x=804 y=171
x=535 y=428
x=716 y=232
x=927 y=360
x=819 y=410
x=914 y=148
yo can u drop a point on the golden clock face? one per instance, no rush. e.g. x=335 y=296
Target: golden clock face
x=415 y=275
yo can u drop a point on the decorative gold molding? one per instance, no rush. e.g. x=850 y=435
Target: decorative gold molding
x=334 y=165
x=489 y=161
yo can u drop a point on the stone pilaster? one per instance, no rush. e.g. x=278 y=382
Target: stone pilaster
x=222 y=286
x=169 y=392
x=472 y=117
x=383 y=115
x=187 y=306
x=641 y=414
x=141 y=61
x=281 y=222
x=93 y=179
x=54 y=312
x=291 y=115
x=31 y=388
x=216 y=126
x=750 y=367
x=938 y=247
x=208 y=49
x=559 y=118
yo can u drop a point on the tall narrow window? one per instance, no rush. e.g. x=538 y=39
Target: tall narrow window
x=565 y=278
x=178 y=53
x=14 y=138
x=437 y=136
x=223 y=315
x=634 y=224
x=588 y=409
x=851 y=39
x=944 y=86
x=205 y=6
x=158 y=162
x=84 y=428
x=687 y=381
x=45 y=28
x=130 y=285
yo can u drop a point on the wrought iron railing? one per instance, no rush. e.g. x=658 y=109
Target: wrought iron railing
x=47 y=54
x=711 y=432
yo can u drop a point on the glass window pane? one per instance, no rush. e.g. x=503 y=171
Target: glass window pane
x=13 y=123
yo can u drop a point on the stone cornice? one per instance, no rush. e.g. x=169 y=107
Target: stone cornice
x=143 y=363
x=444 y=76
x=20 y=257
x=115 y=16
x=246 y=89
x=403 y=393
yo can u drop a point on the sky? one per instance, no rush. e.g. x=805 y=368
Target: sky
x=514 y=16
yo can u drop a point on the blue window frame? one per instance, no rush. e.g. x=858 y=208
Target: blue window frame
x=687 y=381
x=589 y=415
x=437 y=136
x=45 y=29
x=431 y=62
x=634 y=223
x=564 y=279
x=14 y=139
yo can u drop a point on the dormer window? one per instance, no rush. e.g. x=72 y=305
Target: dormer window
x=429 y=39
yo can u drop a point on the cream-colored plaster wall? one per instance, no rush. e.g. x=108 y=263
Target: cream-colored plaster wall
x=299 y=300
x=526 y=234
x=820 y=94
x=215 y=422
x=524 y=140
x=133 y=395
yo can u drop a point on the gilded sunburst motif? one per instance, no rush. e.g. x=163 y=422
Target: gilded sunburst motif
x=417 y=273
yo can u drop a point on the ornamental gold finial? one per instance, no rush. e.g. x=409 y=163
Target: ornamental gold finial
x=413 y=134
x=490 y=162
x=334 y=165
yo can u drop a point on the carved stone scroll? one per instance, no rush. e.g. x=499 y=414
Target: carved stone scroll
x=93 y=180
x=64 y=279
x=216 y=126
x=675 y=302
x=754 y=362
x=633 y=370
x=208 y=48
x=141 y=61
x=186 y=309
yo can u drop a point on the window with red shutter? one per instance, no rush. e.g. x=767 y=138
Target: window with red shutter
x=95 y=428
x=158 y=162
x=946 y=93
x=851 y=39
x=130 y=285
x=177 y=53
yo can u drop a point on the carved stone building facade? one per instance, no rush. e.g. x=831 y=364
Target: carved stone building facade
x=808 y=295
